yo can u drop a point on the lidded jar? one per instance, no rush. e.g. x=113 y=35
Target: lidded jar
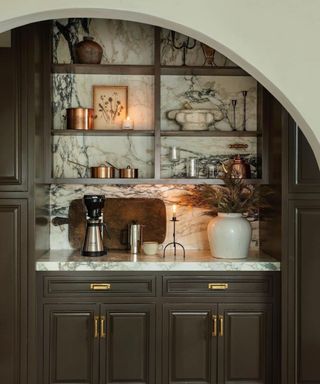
x=88 y=51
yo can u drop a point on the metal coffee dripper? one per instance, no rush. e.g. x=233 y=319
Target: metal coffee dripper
x=93 y=241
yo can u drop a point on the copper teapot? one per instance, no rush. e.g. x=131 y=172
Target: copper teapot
x=237 y=168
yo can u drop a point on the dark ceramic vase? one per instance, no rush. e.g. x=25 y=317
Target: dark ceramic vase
x=88 y=51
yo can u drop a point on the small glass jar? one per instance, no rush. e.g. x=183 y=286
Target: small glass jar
x=211 y=171
x=193 y=167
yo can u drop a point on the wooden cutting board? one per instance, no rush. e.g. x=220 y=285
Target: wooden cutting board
x=118 y=213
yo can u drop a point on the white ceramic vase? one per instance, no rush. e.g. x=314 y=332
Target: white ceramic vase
x=229 y=236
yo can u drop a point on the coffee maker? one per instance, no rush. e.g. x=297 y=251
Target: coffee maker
x=93 y=241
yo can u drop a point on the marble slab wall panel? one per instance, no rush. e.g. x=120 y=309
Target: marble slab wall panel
x=70 y=91
x=73 y=155
x=191 y=228
x=123 y=42
x=194 y=56
x=208 y=150
x=203 y=92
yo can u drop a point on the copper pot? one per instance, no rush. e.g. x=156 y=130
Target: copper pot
x=80 y=118
x=128 y=173
x=103 y=172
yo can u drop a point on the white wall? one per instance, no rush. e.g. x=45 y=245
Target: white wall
x=277 y=41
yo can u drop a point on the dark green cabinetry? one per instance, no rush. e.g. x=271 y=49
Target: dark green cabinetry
x=13 y=284
x=301 y=266
x=186 y=328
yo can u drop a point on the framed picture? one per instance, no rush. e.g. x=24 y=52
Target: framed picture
x=110 y=103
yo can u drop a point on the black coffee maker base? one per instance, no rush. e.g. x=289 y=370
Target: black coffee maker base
x=93 y=254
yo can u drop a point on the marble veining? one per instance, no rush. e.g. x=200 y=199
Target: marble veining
x=208 y=150
x=123 y=42
x=195 y=261
x=202 y=92
x=195 y=56
x=71 y=91
x=74 y=155
x=191 y=229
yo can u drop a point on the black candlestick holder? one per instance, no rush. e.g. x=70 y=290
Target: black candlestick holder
x=174 y=242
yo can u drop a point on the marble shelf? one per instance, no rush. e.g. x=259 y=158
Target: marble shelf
x=66 y=260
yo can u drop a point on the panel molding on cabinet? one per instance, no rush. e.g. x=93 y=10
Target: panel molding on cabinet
x=13 y=119
x=304 y=288
x=304 y=174
x=244 y=351
x=13 y=297
x=189 y=344
x=72 y=349
x=128 y=347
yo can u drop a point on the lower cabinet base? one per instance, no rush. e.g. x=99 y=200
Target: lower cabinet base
x=106 y=337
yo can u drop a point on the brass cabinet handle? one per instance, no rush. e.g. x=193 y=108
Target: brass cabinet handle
x=100 y=286
x=102 y=324
x=221 y=326
x=214 y=325
x=96 y=330
x=218 y=286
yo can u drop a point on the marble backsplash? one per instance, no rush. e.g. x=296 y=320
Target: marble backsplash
x=195 y=56
x=202 y=92
x=74 y=155
x=71 y=91
x=123 y=42
x=208 y=150
x=191 y=229
x=126 y=42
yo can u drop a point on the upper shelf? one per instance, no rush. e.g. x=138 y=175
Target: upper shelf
x=153 y=181
x=202 y=71
x=103 y=69
x=141 y=132
x=111 y=69
x=102 y=132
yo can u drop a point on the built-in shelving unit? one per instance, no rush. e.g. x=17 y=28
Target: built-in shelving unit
x=158 y=133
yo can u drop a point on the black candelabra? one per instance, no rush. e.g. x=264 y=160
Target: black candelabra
x=184 y=46
x=174 y=242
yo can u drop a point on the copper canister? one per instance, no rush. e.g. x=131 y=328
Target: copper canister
x=103 y=172
x=80 y=118
x=128 y=173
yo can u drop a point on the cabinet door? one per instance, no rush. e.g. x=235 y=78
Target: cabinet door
x=13 y=120
x=245 y=343
x=71 y=343
x=304 y=288
x=304 y=174
x=13 y=291
x=127 y=343
x=189 y=343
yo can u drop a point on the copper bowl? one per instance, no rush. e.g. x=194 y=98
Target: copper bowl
x=80 y=118
x=128 y=173
x=103 y=172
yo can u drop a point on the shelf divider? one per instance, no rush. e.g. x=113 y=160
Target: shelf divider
x=103 y=69
x=153 y=181
x=101 y=132
x=210 y=133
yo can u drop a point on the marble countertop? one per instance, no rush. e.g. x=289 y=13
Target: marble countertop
x=68 y=260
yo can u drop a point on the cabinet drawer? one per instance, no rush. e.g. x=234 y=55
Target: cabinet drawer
x=217 y=285
x=99 y=286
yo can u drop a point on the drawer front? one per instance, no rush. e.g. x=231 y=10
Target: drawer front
x=217 y=285
x=99 y=286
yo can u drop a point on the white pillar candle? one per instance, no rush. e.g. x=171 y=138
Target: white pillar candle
x=127 y=123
